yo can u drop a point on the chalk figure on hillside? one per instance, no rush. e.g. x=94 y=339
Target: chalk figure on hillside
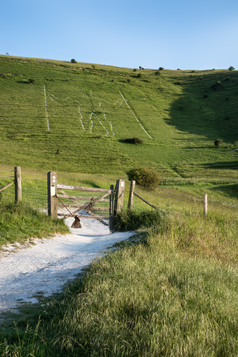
x=76 y=223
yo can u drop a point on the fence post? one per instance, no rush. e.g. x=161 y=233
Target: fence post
x=111 y=212
x=131 y=194
x=17 y=179
x=119 y=199
x=52 y=194
x=205 y=204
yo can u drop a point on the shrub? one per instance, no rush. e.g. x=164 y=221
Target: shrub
x=144 y=176
x=231 y=68
x=31 y=81
x=132 y=141
x=132 y=220
x=73 y=60
x=161 y=68
x=217 y=142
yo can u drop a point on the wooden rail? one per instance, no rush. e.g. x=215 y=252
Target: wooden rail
x=131 y=195
x=82 y=188
x=6 y=186
x=147 y=202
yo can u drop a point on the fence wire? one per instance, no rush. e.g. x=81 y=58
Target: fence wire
x=34 y=192
x=7 y=195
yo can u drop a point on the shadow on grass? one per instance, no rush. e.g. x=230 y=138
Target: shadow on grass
x=213 y=117
x=230 y=165
x=90 y=183
x=229 y=190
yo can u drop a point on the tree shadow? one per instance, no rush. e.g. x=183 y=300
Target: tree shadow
x=229 y=165
x=229 y=190
x=90 y=183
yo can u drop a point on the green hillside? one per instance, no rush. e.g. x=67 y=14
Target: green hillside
x=74 y=117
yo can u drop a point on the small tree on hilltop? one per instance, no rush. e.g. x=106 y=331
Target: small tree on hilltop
x=231 y=68
x=73 y=60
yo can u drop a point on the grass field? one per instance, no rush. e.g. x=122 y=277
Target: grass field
x=90 y=109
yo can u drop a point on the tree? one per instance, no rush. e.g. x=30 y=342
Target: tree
x=231 y=68
x=73 y=60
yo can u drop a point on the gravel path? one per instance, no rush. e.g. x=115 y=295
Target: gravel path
x=43 y=268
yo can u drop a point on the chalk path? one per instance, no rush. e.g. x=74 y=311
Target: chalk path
x=44 y=268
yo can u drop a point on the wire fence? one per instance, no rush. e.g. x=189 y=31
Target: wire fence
x=34 y=192
x=7 y=195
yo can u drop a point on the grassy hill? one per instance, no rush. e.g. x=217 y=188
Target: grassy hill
x=74 y=117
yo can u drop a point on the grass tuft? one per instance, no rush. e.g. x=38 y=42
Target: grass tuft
x=20 y=222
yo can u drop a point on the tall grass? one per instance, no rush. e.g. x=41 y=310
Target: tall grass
x=20 y=222
x=176 y=295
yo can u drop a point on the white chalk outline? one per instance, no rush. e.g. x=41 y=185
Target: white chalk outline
x=105 y=117
x=134 y=115
x=81 y=119
x=46 y=110
x=113 y=133
x=91 y=130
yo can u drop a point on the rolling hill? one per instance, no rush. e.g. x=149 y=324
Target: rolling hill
x=75 y=117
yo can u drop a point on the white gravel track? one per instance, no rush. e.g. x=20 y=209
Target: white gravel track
x=44 y=268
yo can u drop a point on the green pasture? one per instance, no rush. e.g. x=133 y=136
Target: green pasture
x=177 y=114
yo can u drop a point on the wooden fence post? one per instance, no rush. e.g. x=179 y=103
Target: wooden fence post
x=52 y=194
x=18 y=189
x=205 y=204
x=111 y=210
x=131 y=194
x=119 y=199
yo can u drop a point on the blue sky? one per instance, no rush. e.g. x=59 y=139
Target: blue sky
x=172 y=34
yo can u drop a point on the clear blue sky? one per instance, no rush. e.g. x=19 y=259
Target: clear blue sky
x=173 y=34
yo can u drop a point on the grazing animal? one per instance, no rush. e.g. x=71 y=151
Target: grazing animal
x=76 y=223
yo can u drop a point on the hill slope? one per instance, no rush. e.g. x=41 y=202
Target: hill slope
x=74 y=117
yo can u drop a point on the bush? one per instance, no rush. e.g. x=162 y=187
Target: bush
x=132 y=220
x=145 y=177
x=161 y=68
x=132 y=141
x=231 y=68
x=73 y=60
x=31 y=81
x=217 y=142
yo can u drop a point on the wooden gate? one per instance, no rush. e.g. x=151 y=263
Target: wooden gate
x=91 y=203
